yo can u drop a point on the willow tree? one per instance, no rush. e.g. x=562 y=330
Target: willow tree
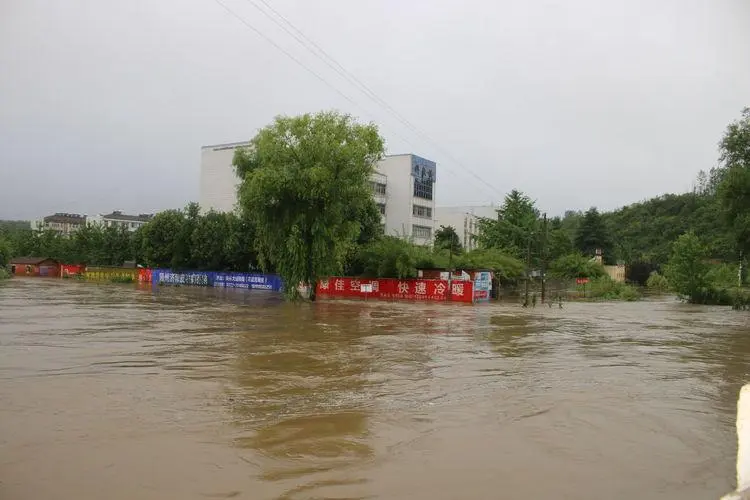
x=302 y=178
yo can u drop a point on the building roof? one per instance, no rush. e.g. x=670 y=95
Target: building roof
x=117 y=215
x=31 y=260
x=65 y=218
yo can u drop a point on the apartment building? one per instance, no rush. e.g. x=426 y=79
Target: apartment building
x=464 y=219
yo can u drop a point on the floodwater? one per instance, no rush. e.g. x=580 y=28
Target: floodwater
x=119 y=392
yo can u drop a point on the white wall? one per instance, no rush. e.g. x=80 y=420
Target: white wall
x=218 y=187
x=464 y=220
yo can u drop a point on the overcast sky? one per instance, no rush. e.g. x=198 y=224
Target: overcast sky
x=104 y=104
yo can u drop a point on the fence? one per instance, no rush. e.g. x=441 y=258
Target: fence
x=250 y=281
x=406 y=289
x=103 y=273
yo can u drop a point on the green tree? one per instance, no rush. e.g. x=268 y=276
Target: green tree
x=208 y=244
x=160 y=238
x=734 y=187
x=446 y=238
x=687 y=268
x=514 y=229
x=302 y=177
x=593 y=234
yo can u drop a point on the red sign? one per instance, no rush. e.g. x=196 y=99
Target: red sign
x=71 y=269
x=387 y=288
x=582 y=281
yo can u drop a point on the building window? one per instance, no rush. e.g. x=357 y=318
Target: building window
x=381 y=207
x=423 y=189
x=378 y=188
x=421 y=211
x=422 y=232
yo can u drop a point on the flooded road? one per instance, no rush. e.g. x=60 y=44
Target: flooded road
x=116 y=392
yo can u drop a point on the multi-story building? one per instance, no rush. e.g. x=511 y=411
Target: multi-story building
x=119 y=219
x=403 y=186
x=63 y=223
x=464 y=219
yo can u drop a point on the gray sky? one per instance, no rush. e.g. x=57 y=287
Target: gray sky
x=105 y=104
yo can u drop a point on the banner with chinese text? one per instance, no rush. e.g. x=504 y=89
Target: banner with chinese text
x=405 y=289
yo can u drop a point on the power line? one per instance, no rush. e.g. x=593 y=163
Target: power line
x=351 y=78
x=305 y=67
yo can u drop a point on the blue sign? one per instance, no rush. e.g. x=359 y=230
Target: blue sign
x=217 y=279
x=423 y=170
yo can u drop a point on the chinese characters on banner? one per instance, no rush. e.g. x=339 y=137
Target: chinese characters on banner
x=406 y=289
x=212 y=279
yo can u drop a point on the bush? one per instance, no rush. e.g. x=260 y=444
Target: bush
x=575 y=265
x=605 y=288
x=657 y=283
x=4 y=274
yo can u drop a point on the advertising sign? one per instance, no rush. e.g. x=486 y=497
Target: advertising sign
x=405 y=289
x=423 y=170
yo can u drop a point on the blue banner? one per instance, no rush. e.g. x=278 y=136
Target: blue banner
x=251 y=281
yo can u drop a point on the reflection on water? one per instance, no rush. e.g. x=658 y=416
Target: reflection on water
x=123 y=392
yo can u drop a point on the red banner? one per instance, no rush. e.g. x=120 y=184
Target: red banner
x=406 y=289
x=144 y=275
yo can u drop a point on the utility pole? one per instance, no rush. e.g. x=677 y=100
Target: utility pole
x=528 y=271
x=544 y=256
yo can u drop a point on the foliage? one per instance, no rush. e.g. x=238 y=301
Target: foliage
x=734 y=188
x=505 y=267
x=686 y=269
x=5 y=252
x=605 y=288
x=4 y=274
x=446 y=238
x=387 y=257
x=515 y=228
x=575 y=265
x=592 y=235
x=302 y=180
x=657 y=283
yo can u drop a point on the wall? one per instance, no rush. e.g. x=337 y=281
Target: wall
x=250 y=281
x=218 y=181
x=617 y=273
x=104 y=273
x=400 y=199
x=47 y=268
x=406 y=289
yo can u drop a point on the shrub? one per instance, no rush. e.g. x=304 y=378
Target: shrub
x=4 y=274
x=657 y=283
x=575 y=265
x=605 y=288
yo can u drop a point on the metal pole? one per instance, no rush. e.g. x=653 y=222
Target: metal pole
x=544 y=256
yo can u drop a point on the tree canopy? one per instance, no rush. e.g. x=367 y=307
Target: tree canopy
x=303 y=181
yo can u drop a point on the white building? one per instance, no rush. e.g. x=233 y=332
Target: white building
x=403 y=187
x=119 y=219
x=464 y=220
x=63 y=223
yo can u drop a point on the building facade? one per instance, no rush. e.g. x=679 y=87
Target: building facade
x=464 y=219
x=403 y=187
x=119 y=219
x=60 y=222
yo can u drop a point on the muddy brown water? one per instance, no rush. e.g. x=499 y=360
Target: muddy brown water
x=118 y=392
